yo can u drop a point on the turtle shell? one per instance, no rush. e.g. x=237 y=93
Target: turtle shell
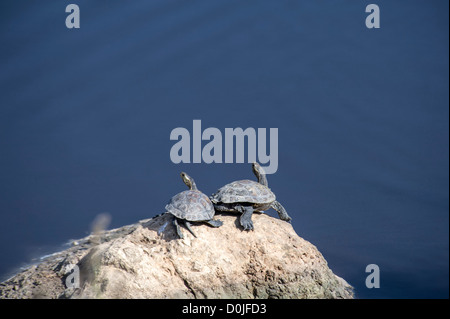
x=191 y=205
x=244 y=191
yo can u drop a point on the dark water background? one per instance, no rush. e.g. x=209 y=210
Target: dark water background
x=363 y=119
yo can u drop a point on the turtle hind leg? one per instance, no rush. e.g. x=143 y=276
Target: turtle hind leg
x=246 y=217
x=214 y=222
x=282 y=213
x=188 y=226
x=177 y=227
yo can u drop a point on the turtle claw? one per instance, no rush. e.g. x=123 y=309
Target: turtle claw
x=248 y=225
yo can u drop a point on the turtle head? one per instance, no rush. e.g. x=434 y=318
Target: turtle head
x=189 y=181
x=259 y=173
x=257 y=169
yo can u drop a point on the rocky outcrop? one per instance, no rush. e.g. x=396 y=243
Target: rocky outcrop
x=146 y=260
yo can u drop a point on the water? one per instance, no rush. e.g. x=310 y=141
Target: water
x=85 y=118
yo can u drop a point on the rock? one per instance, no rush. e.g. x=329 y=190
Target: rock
x=145 y=260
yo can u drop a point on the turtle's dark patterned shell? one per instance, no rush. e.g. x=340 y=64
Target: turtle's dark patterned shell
x=191 y=205
x=245 y=191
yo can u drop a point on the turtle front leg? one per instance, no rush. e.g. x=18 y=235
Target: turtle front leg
x=246 y=217
x=282 y=213
x=177 y=227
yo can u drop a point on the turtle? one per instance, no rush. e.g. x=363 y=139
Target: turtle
x=246 y=197
x=191 y=206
